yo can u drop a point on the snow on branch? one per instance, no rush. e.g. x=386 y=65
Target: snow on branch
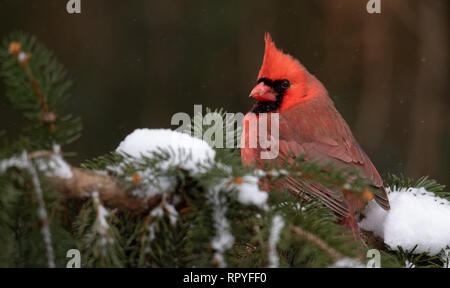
x=277 y=226
x=189 y=153
x=101 y=225
x=23 y=162
x=80 y=183
x=417 y=217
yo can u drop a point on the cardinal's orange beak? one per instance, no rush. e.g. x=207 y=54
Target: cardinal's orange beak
x=263 y=92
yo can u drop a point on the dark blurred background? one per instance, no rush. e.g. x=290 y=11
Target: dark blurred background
x=136 y=63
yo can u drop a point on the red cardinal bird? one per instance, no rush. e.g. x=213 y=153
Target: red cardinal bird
x=309 y=124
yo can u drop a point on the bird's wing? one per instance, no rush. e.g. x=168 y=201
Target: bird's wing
x=326 y=137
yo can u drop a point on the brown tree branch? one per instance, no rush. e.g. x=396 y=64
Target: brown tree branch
x=112 y=191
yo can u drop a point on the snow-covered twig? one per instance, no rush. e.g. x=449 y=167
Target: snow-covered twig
x=101 y=225
x=223 y=240
x=23 y=162
x=164 y=207
x=277 y=226
x=54 y=165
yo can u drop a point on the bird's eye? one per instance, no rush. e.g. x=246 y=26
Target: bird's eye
x=285 y=84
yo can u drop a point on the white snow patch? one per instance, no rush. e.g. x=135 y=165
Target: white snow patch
x=223 y=240
x=250 y=194
x=445 y=255
x=152 y=183
x=55 y=165
x=158 y=212
x=277 y=226
x=20 y=162
x=186 y=152
x=22 y=57
x=417 y=217
x=173 y=214
x=101 y=224
x=190 y=153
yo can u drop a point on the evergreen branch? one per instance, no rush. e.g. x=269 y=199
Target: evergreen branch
x=24 y=162
x=316 y=240
x=110 y=190
x=37 y=85
x=15 y=48
x=84 y=182
x=42 y=215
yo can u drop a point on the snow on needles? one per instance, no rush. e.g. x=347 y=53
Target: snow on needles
x=195 y=156
x=223 y=240
x=250 y=194
x=55 y=166
x=190 y=153
x=101 y=223
x=417 y=217
x=186 y=152
x=22 y=162
x=277 y=226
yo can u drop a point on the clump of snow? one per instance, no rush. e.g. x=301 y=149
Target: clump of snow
x=260 y=173
x=186 y=152
x=55 y=166
x=152 y=183
x=445 y=255
x=101 y=224
x=250 y=194
x=157 y=213
x=190 y=153
x=20 y=162
x=272 y=173
x=172 y=212
x=223 y=240
x=417 y=217
x=58 y=168
x=22 y=57
x=277 y=226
